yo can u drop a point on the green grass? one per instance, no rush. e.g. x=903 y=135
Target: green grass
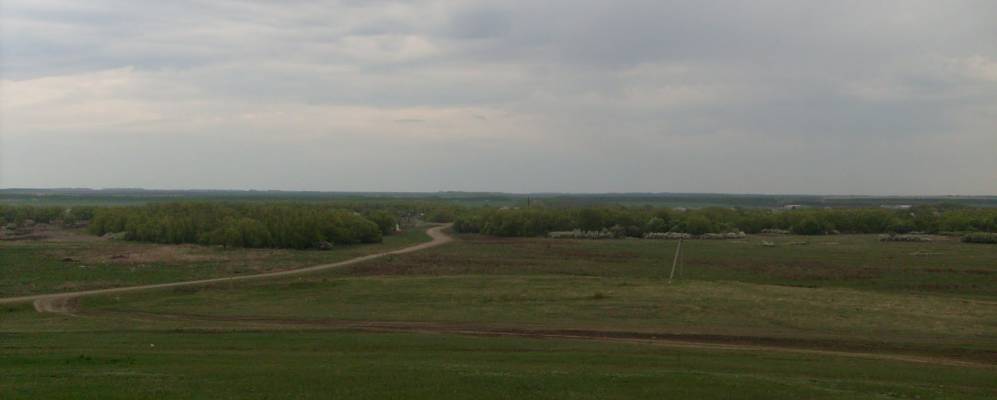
x=31 y=267
x=943 y=267
x=847 y=317
x=835 y=293
x=260 y=365
x=622 y=286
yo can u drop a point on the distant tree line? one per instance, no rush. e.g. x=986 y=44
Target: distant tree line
x=18 y=214
x=286 y=224
x=296 y=226
x=277 y=224
x=535 y=221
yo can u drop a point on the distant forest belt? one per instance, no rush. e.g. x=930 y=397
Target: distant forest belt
x=56 y=302
x=640 y=222
x=307 y=225
x=232 y=224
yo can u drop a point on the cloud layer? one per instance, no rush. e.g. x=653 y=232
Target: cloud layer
x=889 y=97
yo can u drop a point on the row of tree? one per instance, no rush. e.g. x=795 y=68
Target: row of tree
x=297 y=226
x=304 y=225
x=48 y=214
x=535 y=221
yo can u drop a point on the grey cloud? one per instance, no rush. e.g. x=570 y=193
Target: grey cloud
x=584 y=91
x=479 y=23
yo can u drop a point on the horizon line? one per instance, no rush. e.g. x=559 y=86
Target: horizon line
x=485 y=192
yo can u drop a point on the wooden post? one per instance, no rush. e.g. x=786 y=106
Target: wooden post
x=675 y=261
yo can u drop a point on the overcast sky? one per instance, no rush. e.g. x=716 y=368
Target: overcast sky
x=843 y=97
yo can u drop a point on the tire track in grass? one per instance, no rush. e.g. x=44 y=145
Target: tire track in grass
x=671 y=340
x=66 y=302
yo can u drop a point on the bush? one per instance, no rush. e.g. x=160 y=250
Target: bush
x=810 y=226
x=468 y=223
x=696 y=225
x=657 y=224
x=902 y=227
x=384 y=220
x=980 y=237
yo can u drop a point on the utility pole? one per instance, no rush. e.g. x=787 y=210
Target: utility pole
x=675 y=261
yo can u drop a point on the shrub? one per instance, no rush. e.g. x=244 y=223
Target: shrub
x=810 y=225
x=980 y=237
x=696 y=225
x=657 y=224
x=384 y=220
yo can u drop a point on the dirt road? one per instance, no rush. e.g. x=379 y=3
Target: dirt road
x=65 y=303
x=689 y=341
x=60 y=302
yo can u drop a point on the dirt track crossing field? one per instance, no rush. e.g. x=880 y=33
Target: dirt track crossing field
x=703 y=342
x=59 y=302
x=67 y=303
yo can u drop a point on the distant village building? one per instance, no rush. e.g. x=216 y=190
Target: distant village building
x=896 y=206
x=792 y=207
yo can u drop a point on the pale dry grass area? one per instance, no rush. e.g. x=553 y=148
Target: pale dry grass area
x=144 y=253
x=76 y=245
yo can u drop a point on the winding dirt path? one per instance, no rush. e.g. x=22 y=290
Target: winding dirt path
x=64 y=302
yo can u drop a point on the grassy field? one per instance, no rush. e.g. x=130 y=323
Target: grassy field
x=837 y=317
x=941 y=267
x=73 y=260
x=260 y=365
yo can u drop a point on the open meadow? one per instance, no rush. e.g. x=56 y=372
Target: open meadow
x=840 y=316
x=481 y=199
